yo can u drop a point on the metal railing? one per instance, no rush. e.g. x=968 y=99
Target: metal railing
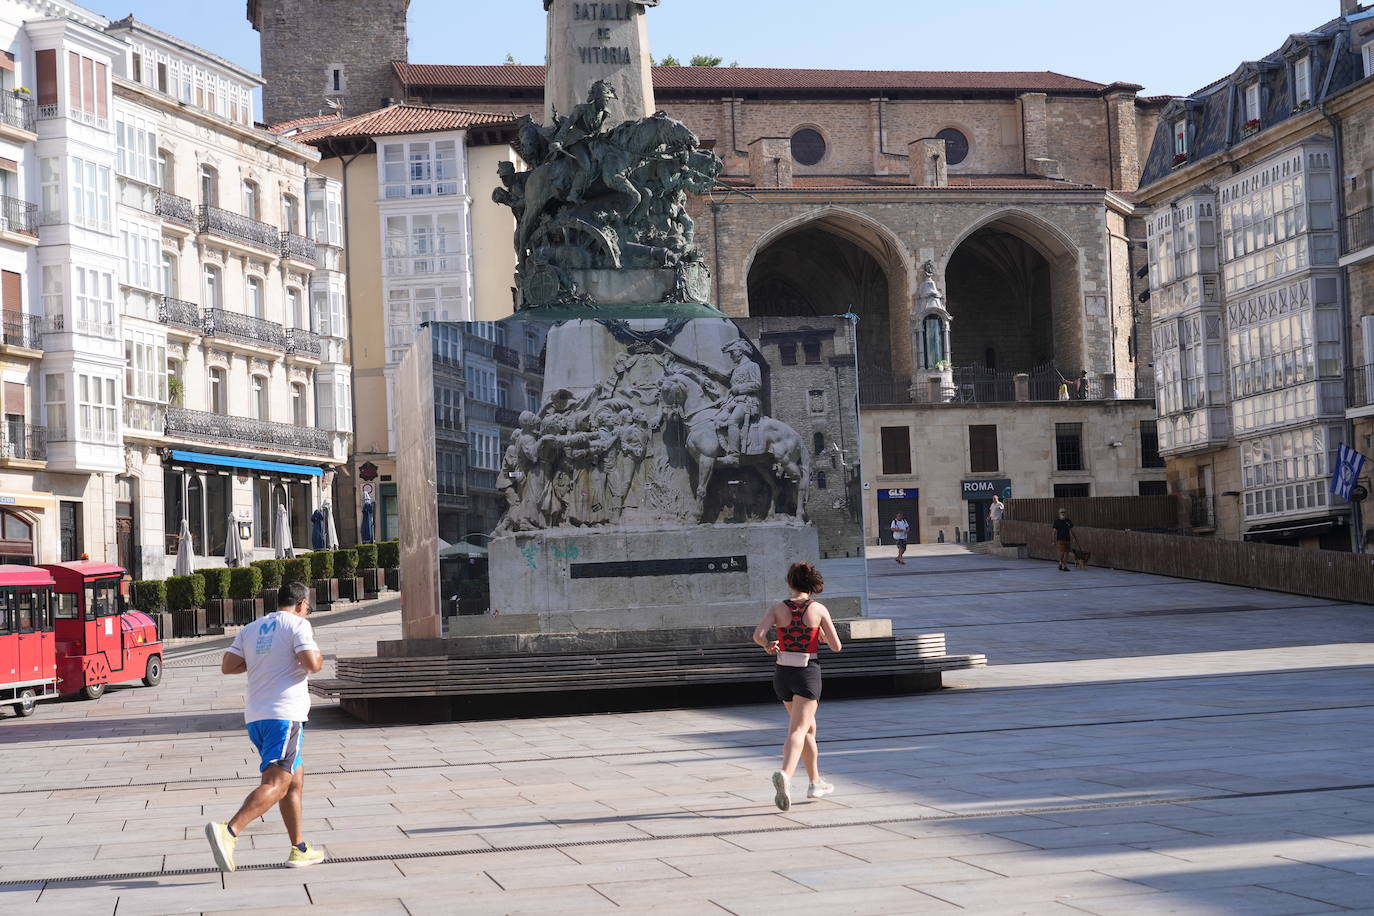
x=246 y=328
x=534 y=363
x=176 y=209
x=18 y=216
x=1202 y=511
x=1359 y=230
x=145 y=417
x=302 y=342
x=506 y=416
x=21 y=441
x=298 y=247
x=16 y=110
x=238 y=227
x=506 y=356
x=1359 y=387
x=179 y=313
x=22 y=330
x=976 y=385
x=480 y=345
x=247 y=433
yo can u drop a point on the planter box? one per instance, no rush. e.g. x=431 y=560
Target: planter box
x=352 y=589
x=189 y=622
x=326 y=592
x=374 y=581
x=246 y=610
x=393 y=579
x=163 y=619
x=218 y=612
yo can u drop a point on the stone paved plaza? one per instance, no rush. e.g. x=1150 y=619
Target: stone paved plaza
x=1139 y=745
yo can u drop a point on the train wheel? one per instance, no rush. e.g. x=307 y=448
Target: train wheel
x=26 y=705
x=93 y=691
x=153 y=675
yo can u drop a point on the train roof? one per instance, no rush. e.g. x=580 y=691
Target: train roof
x=14 y=574
x=85 y=568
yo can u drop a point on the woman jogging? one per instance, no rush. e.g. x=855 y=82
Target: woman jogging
x=800 y=622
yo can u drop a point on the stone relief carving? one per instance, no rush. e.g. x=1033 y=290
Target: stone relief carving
x=260 y=365
x=601 y=197
x=217 y=357
x=647 y=445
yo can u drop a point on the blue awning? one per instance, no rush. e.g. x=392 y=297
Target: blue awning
x=250 y=464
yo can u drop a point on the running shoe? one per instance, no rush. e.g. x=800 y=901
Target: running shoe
x=819 y=789
x=222 y=844
x=301 y=858
x=782 y=790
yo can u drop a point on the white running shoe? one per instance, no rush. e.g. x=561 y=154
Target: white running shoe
x=819 y=789
x=782 y=790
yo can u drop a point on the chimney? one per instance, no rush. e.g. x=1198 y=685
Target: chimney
x=1350 y=7
x=929 y=167
x=770 y=162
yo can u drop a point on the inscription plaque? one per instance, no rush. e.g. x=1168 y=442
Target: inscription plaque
x=675 y=567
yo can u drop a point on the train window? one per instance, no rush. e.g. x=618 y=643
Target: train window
x=42 y=613
x=102 y=600
x=65 y=606
x=23 y=605
x=4 y=613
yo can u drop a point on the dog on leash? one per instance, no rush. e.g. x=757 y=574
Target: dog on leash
x=1081 y=557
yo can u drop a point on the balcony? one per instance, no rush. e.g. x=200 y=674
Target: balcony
x=534 y=363
x=479 y=479
x=91 y=327
x=256 y=332
x=1202 y=512
x=976 y=385
x=22 y=331
x=143 y=417
x=297 y=247
x=242 y=432
x=506 y=356
x=300 y=342
x=1359 y=236
x=21 y=442
x=478 y=345
x=178 y=313
x=1359 y=389
x=18 y=216
x=238 y=228
x=54 y=111
x=175 y=209
x=16 y=110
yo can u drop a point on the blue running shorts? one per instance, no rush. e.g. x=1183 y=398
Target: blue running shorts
x=278 y=742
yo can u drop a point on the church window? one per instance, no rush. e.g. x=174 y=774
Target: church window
x=956 y=145
x=808 y=146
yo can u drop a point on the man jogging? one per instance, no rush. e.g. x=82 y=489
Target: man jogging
x=278 y=652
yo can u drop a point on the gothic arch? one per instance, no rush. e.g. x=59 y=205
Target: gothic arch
x=1045 y=237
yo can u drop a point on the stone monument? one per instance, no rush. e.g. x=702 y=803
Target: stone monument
x=601 y=215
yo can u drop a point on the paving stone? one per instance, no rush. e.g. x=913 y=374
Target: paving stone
x=1252 y=901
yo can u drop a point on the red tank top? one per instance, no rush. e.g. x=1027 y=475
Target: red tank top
x=797 y=637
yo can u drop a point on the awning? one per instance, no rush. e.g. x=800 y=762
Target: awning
x=1296 y=529
x=7 y=60
x=247 y=464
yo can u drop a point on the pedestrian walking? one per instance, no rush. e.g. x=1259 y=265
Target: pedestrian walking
x=1080 y=386
x=900 y=528
x=278 y=653
x=995 y=516
x=1063 y=537
x=800 y=622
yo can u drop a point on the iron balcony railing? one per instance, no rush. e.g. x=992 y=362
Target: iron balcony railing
x=22 y=330
x=16 y=110
x=479 y=479
x=176 y=209
x=239 y=228
x=21 y=441
x=1202 y=511
x=178 y=313
x=298 y=247
x=1359 y=230
x=18 y=216
x=505 y=416
x=302 y=342
x=1359 y=387
x=247 y=433
x=534 y=363
x=246 y=328
x=976 y=385
x=506 y=356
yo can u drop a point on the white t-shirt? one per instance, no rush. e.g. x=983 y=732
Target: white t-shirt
x=276 y=680
x=900 y=528
x=995 y=512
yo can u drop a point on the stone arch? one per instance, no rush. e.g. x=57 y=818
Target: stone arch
x=885 y=341
x=1025 y=258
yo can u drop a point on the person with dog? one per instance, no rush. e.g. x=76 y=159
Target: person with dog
x=1063 y=537
x=800 y=622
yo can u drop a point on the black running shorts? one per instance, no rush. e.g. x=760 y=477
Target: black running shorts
x=797 y=682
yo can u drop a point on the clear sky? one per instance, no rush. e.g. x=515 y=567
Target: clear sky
x=1168 y=46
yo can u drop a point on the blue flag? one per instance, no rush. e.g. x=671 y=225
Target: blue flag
x=1344 y=475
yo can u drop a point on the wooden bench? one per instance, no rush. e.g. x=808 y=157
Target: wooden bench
x=438 y=688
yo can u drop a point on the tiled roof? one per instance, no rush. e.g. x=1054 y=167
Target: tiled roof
x=403 y=119
x=512 y=77
x=297 y=123
x=894 y=182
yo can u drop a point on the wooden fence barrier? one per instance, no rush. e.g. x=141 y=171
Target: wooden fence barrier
x=1138 y=512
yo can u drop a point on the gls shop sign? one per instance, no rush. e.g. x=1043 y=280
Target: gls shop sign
x=907 y=493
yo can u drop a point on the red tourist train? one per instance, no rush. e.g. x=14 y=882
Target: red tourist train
x=64 y=630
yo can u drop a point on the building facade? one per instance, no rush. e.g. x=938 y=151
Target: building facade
x=1251 y=307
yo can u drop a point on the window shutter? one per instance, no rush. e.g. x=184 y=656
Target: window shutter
x=11 y=285
x=324 y=405
x=47 y=76
x=982 y=445
x=14 y=399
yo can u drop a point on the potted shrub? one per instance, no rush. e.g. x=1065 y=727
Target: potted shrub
x=272 y=571
x=373 y=580
x=245 y=586
x=296 y=569
x=217 y=609
x=186 y=598
x=150 y=597
x=346 y=572
x=322 y=575
x=389 y=558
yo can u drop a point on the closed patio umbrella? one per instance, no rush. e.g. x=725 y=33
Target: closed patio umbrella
x=186 y=551
x=317 y=529
x=281 y=535
x=369 y=514
x=233 y=546
x=331 y=534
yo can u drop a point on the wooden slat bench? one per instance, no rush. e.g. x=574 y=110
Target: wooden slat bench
x=436 y=688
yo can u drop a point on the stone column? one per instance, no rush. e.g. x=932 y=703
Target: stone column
x=770 y=162
x=1125 y=141
x=1035 y=140
x=598 y=41
x=929 y=167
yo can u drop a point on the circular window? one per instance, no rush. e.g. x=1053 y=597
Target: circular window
x=956 y=145
x=808 y=146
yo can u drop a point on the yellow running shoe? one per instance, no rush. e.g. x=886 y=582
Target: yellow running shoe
x=300 y=859
x=222 y=844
